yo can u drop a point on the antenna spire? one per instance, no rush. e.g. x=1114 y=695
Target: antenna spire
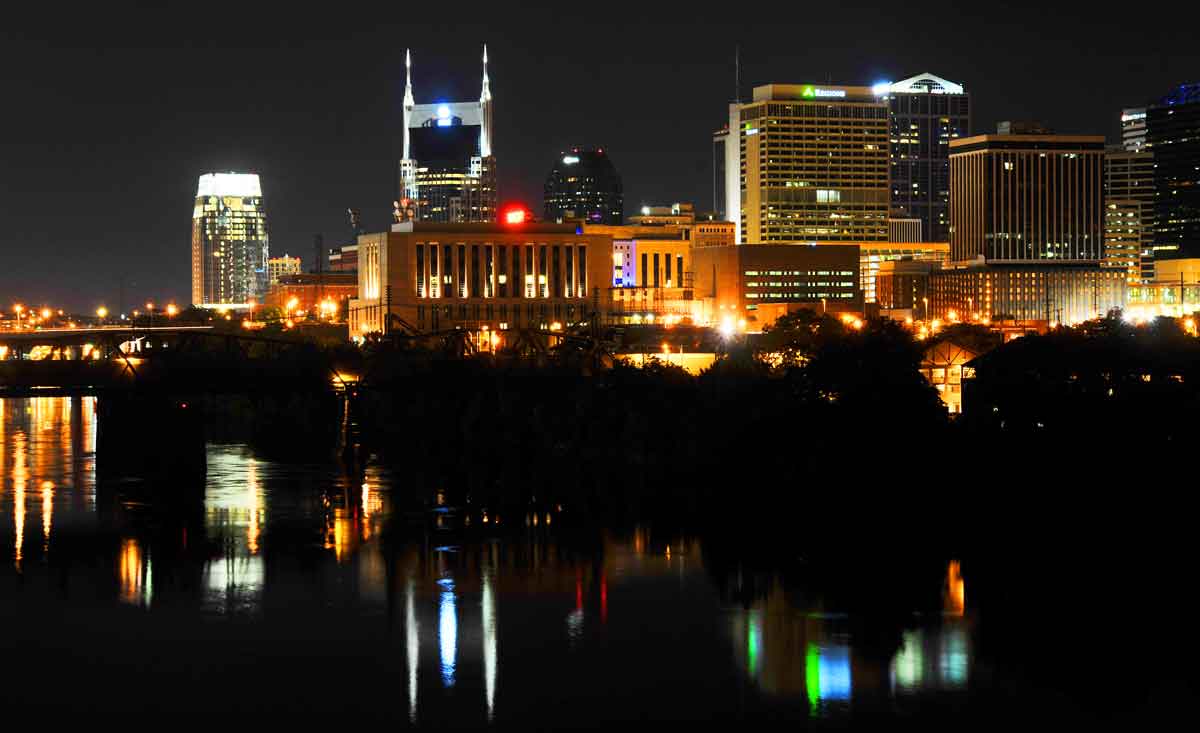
x=408 y=95
x=737 y=73
x=486 y=96
x=485 y=106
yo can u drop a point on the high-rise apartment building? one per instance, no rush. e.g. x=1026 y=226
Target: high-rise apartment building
x=229 y=240
x=808 y=163
x=1129 y=212
x=1173 y=136
x=584 y=184
x=927 y=112
x=448 y=171
x=1027 y=229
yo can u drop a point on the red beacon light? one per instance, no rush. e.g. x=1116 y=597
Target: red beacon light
x=516 y=215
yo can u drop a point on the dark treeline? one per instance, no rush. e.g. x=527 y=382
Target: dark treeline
x=748 y=430
x=813 y=415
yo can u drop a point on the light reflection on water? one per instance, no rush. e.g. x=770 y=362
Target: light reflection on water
x=47 y=449
x=800 y=653
x=471 y=609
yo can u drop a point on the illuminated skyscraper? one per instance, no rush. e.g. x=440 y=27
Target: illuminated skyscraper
x=1129 y=212
x=1027 y=229
x=229 y=240
x=1173 y=136
x=808 y=163
x=584 y=184
x=448 y=168
x=926 y=113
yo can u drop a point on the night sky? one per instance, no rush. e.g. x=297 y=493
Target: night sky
x=110 y=117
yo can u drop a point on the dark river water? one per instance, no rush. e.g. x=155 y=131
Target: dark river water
x=288 y=590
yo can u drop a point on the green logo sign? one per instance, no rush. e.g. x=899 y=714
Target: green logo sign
x=808 y=92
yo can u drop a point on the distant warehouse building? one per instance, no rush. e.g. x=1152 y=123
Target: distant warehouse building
x=441 y=276
x=323 y=295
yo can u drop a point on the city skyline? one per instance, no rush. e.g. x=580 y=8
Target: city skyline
x=323 y=128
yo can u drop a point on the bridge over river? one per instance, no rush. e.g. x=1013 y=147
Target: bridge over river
x=151 y=384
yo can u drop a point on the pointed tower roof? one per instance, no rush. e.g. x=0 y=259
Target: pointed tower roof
x=486 y=94
x=408 y=95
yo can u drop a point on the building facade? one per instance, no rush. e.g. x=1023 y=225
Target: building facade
x=449 y=171
x=652 y=274
x=942 y=365
x=324 y=296
x=1048 y=293
x=1133 y=129
x=720 y=141
x=229 y=240
x=1027 y=199
x=872 y=256
x=503 y=276
x=926 y=112
x=1173 y=136
x=277 y=266
x=674 y=215
x=808 y=163
x=584 y=185
x=1174 y=291
x=757 y=284
x=903 y=285
x=905 y=230
x=344 y=258
x=1027 y=229
x=1129 y=212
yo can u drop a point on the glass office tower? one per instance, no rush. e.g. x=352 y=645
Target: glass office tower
x=1173 y=136
x=229 y=240
x=927 y=112
x=584 y=184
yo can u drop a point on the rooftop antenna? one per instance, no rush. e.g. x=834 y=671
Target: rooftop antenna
x=737 y=73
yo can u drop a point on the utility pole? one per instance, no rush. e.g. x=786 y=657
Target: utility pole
x=387 y=323
x=319 y=247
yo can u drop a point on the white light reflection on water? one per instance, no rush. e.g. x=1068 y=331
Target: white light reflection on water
x=234 y=514
x=47 y=514
x=932 y=660
x=447 y=630
x=488 y=604
x=412 y=645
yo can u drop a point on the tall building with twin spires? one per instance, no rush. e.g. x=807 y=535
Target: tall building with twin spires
x=448 y=173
